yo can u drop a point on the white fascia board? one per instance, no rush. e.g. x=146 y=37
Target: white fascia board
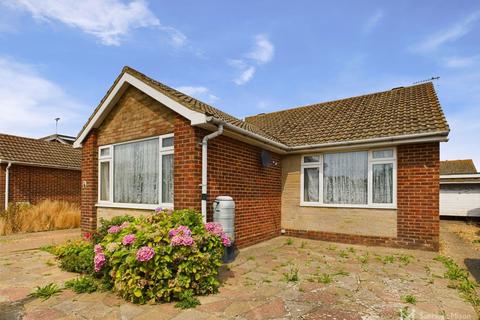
x=195 y=118
x=460 y=176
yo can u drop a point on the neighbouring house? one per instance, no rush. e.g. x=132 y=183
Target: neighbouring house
x=357 y=170
x=459 y=189
x=32 y=170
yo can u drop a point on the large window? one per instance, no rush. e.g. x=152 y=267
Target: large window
x=349 y=179
x=137 y=173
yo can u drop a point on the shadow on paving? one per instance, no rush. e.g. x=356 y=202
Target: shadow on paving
x=13 y=310
x=473 y=266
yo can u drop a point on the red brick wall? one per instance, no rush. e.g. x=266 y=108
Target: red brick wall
x=418 y=221
x=418 y=176
x=187 y=165
x=234 y=169
x=89 y=182
x=34 y=184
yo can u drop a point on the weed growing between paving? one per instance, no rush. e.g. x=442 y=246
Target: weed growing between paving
x=83 y=284
x=460 y=280
x=408 y=298
x=46 y=292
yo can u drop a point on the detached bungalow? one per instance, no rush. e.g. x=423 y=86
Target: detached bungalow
x=32 y=170
x=357 y=170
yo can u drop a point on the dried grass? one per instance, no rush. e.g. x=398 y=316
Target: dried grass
x=47 y=215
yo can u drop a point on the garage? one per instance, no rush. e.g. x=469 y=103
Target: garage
x=459 y=189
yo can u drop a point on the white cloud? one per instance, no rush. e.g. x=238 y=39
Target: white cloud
x=373 y=21
x=201 y=93
x=245 y=76
x=263 y=50
x=108 y=20
x=30 y=102
x=453 y=33
x=460 y=62
x=261 y=53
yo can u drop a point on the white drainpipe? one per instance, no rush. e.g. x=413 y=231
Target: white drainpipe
x=204 y=168
x=7 y=178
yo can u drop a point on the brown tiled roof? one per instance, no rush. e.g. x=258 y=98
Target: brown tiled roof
x=397 y=112
x=40 y=152
x=457 y=167
x=185 y=100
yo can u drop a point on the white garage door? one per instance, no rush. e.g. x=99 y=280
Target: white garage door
x=460 y=200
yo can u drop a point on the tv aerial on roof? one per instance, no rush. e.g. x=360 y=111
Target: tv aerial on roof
x=427 y=80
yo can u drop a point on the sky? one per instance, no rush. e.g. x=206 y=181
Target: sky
x=59 y=57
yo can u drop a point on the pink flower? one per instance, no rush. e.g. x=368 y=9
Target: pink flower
x=214 y=227
x=87 y=236
x=217 y=229
x=181 y=236
x=181 y=230
x=145 y=253
x=124 y=225
x=225 y=240
x=114 y=229
x=97 y=249
x=99 y=261
x=128 y=239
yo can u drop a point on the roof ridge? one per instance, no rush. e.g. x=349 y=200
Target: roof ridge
x=429 y=83
x=40 y=140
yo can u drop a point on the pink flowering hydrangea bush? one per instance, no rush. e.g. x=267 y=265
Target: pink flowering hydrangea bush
x=166 y=256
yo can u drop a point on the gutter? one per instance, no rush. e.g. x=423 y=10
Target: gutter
x=7 y=182
x=205 y=163
x=32 y=164
x=460 y=176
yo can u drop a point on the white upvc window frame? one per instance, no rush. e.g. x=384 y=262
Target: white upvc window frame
x=371 y=161
x=111 y=159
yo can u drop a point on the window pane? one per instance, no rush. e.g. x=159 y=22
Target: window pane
x=310 y=185
x=379 y=154
x=105 y=181
x=167 y=178
x=345 y=178
x=105 y=152
x=383 y=183
x=167 y=142
x=308 y=159
x=136 y=172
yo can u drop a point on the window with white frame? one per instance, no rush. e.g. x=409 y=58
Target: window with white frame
x=364 y=178
x=137 y=172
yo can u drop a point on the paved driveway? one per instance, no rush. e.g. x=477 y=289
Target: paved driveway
x=334 y=282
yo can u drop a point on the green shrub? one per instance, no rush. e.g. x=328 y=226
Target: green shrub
x=75 y=256
x=187 y=300
x=156 y=265
x=84 y=284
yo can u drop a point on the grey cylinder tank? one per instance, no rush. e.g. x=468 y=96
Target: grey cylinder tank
x=224 y=213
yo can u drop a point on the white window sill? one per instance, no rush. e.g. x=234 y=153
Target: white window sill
x=352 y=206
x=134 y=206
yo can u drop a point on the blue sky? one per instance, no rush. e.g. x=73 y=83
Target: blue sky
x=58 y=58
